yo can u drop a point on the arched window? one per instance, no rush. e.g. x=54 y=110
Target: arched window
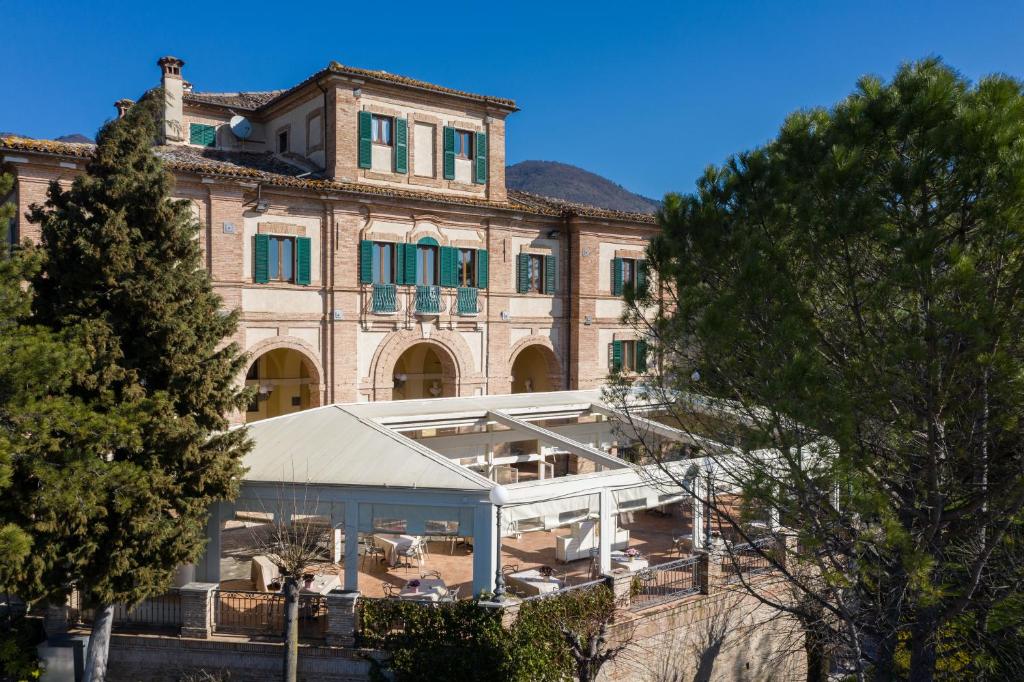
x=427 y=269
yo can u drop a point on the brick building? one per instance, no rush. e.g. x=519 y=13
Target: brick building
x=361 y=223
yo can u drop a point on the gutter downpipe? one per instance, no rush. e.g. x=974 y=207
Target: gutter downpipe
x=567 y=220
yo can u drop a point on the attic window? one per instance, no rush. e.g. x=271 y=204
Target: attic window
x=282 y=142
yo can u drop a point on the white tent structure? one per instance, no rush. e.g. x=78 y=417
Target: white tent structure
x=369 y=466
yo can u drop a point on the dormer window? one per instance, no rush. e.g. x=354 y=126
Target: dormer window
x=463 y=144
x=282 y=142
x=383 y=127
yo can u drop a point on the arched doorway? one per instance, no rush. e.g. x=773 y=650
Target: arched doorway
x=425 y=370
x=533 y=370
x=286 y=382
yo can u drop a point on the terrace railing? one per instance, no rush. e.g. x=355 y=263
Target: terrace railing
x=588 y=585
x=156 y=613
x=664 y=582
x=241 y=612
x=747 y=559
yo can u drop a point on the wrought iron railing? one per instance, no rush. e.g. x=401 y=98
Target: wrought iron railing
x=747 y=559
x=588 y=585
x=162 y=612
x=385 y=298
x=666 y=581
x=467 y=301
x=262 y=613
x=428 y=299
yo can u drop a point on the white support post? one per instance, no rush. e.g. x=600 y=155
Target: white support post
x=607 y=531
x=208 y=567
x=698 y=514
x=485 y=547
x=337 y=529
x=351 y=545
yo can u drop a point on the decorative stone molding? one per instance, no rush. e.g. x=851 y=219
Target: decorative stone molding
x=281 y=228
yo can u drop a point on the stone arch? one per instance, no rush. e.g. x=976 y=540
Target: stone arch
x=543 y=344
x=309 y=355
x=455 y=356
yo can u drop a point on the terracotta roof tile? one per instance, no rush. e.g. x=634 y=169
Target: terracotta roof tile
x=235 y=100
x=271 y=169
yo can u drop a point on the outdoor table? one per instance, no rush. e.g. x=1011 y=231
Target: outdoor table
x=634 y=564
x=430 y=589
x=392 y=544
x=322 y=584
x=531 y=582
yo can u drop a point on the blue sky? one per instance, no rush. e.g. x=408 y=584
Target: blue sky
x=647 y=94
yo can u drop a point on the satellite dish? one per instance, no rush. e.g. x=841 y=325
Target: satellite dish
x=241 y=127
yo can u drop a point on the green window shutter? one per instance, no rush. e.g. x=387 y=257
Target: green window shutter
x=550 y=271
x=523 y=274
x=261 y=258
x=449 y=153
x=481 y=269
x=401 y=146
x=365 y=261
x=410 y=264
x=448 y=266
x=616 y=277
x=641 y=356
x=480 y=176
x=303 y=247
x=616 y=356
x=400 y=263
x=641 y=277
x=365 y=139
x=202 y=134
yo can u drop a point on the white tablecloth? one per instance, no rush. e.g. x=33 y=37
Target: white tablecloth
x=430 y=589
x=531 y=582
x=322 y=584
x=634 y=564
x=393 y=544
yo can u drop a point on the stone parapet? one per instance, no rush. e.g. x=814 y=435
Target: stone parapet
x=620 y=581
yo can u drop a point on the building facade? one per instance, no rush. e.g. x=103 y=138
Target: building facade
x=361 y=223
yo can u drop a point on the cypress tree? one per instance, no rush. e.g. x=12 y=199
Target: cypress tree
x=122 y=257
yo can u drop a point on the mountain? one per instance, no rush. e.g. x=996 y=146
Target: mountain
x=73 y=137
x=562 y=181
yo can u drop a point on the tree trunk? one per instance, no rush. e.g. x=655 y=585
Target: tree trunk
x=291 y=628
x=818 y=659
x=923 y=655
x=99 y=644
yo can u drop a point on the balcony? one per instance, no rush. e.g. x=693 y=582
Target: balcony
x=428 y=299
x=466 y=299
x=385 y=298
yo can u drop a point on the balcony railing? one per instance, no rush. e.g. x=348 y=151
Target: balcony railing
x=667 y=581
x=385 y=298
x=467 y=304
x=428 y=299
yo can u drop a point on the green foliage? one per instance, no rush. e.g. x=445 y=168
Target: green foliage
x=466 y=640
x=129 y=445
x=19 y=637
x=859 y=279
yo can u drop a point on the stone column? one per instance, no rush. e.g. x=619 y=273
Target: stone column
x=56 y=620
x=341 y=617
x=620 y=581
x=197 y=610
x=709 y=571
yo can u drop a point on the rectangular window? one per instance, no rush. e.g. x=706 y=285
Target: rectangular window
x=536 y=273
x=426 y=265
x=281 y=259
x=466 y=264
x=383 y=127
x=202 y=134
x=629 y=363
x=628 y=272
x=282 y=142
x=383 y=263
x=463 y=144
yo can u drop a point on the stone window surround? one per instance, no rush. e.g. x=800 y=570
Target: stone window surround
x=286 y=128
x=439 y=124
x=281 y=228
x=323 y=131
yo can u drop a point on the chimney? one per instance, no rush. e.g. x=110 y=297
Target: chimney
x=123 y=105
x=174 y=87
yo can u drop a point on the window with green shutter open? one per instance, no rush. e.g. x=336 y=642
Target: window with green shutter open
x=536 y=273
x=280 y=258
x=628 y=356
x=628 y=275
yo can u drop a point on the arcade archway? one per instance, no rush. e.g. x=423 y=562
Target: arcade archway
x=285 y=381
x=424 y=370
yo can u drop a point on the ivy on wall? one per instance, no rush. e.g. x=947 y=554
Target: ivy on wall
x=466 y=641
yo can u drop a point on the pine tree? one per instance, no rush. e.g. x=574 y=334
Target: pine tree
x=122 y=258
